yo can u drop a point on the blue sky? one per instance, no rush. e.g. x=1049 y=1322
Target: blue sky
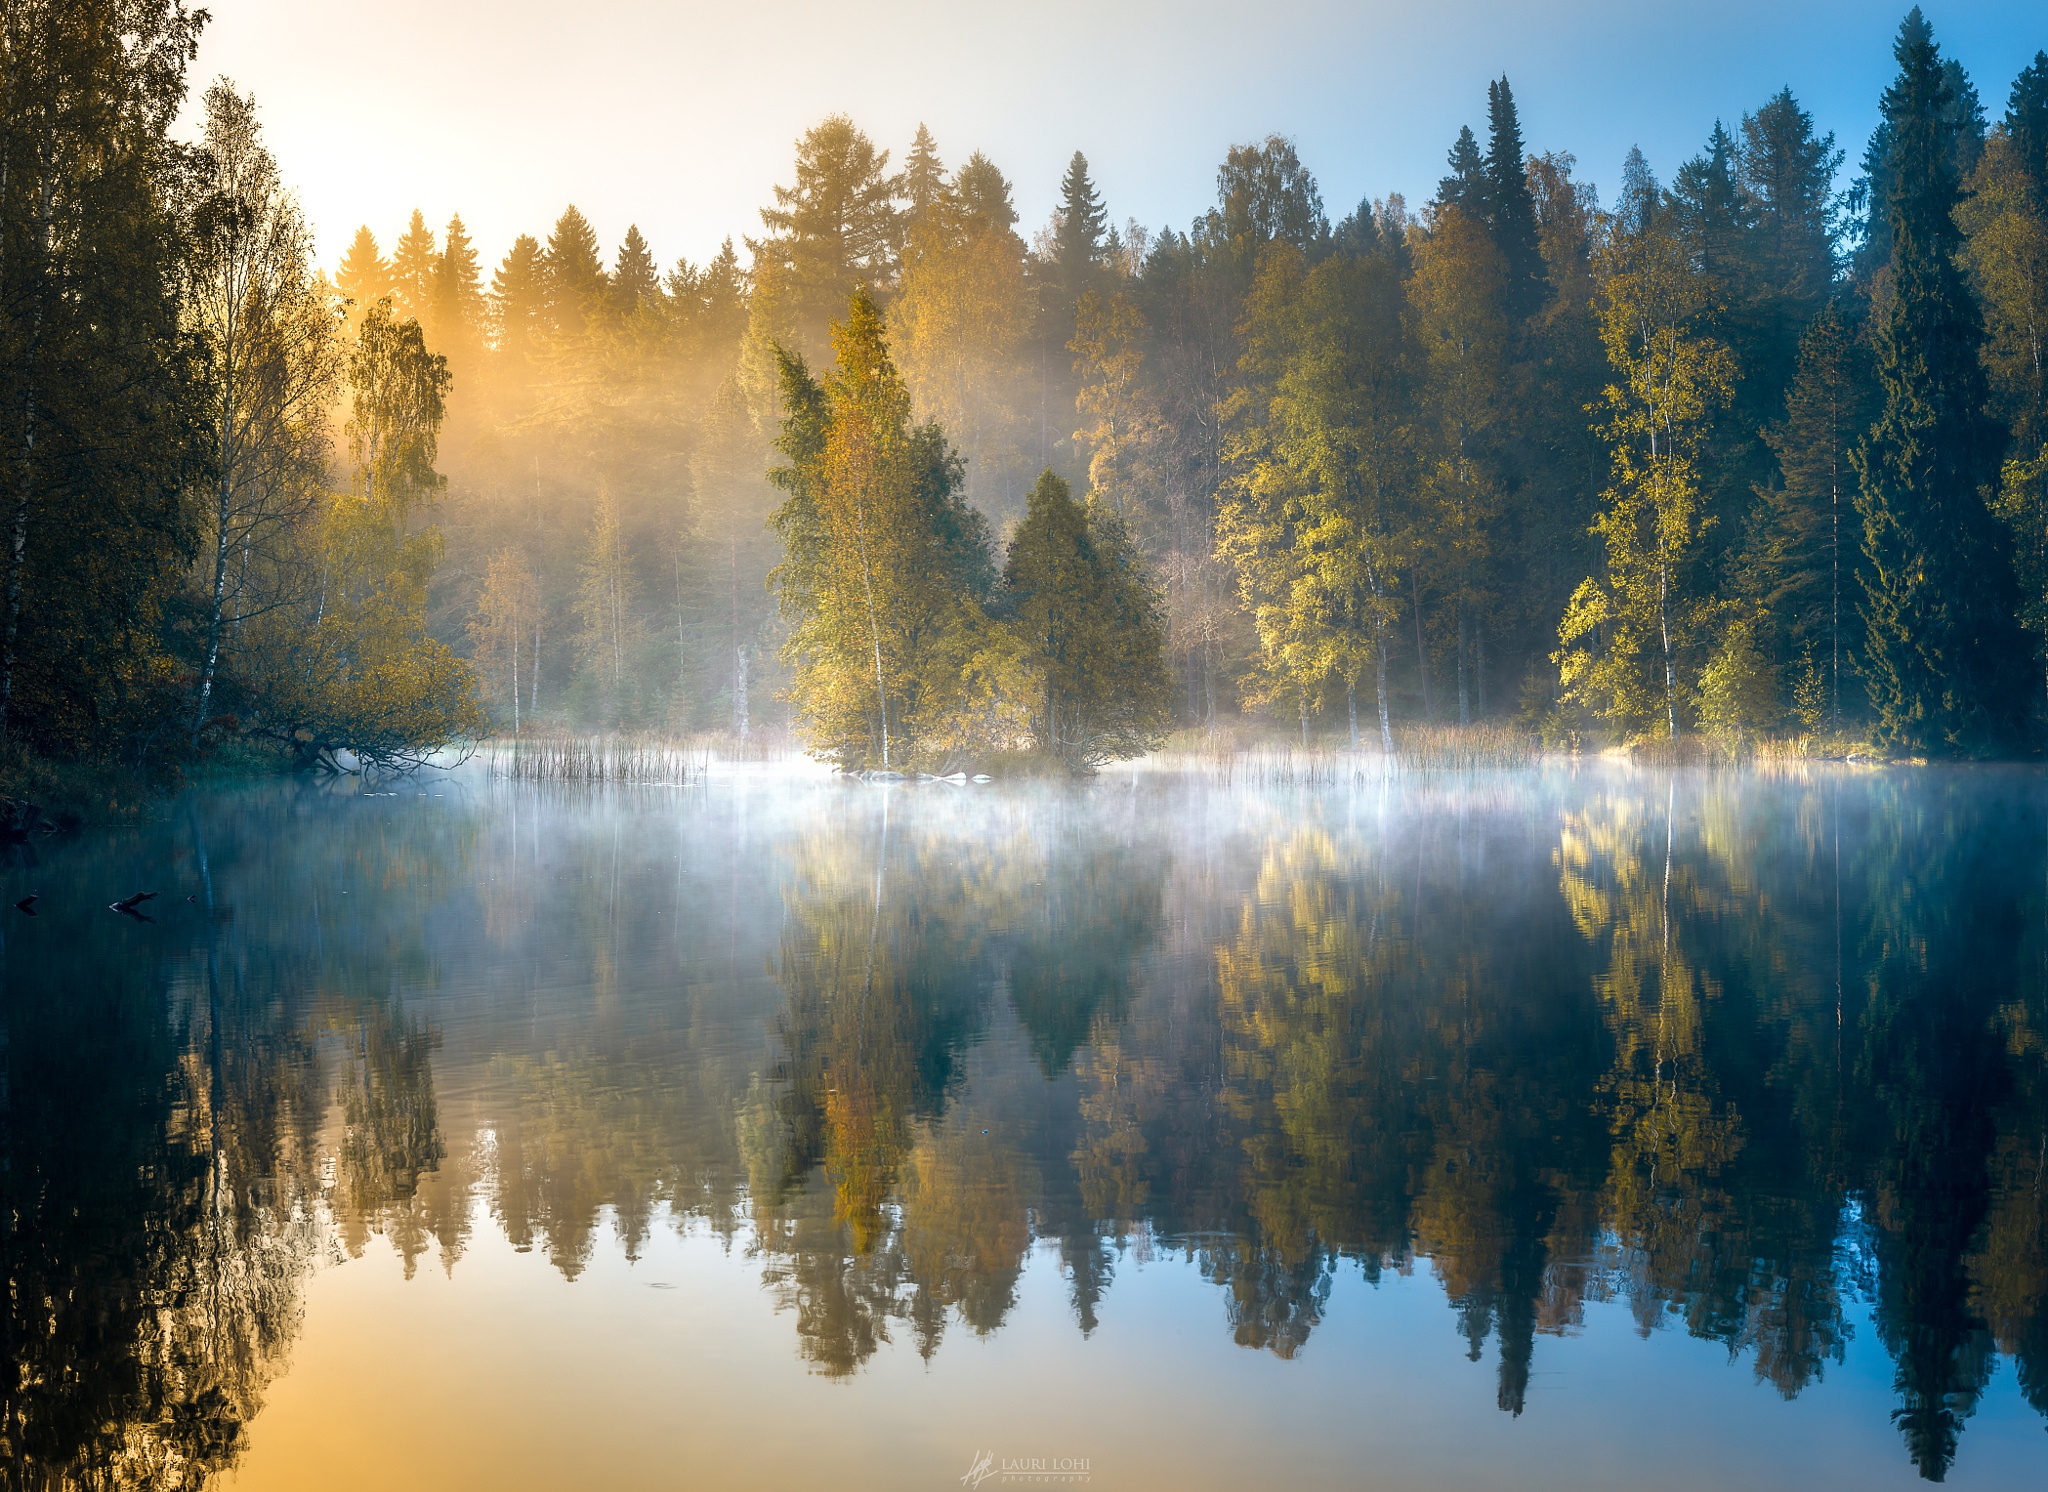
x=681 y=117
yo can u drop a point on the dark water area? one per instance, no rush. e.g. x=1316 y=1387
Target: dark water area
x=1563 y=1128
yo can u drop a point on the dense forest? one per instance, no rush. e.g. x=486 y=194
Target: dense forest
x=1735 y=455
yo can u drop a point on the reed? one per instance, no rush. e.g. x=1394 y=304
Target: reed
x=642 y=761
x=1233 y=759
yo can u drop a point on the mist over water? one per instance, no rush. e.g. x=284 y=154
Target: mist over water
x=1548 y=1127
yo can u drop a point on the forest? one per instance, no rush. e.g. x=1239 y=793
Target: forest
x=1742 y=456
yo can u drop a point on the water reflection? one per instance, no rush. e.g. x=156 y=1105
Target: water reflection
x=1753 y=1058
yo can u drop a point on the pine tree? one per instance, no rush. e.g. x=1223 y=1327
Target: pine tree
x=2005 y=218
x=1940 y=647
x=1785 y=173
x=1510 y=213
x=1710 y=214
x=1459 y=304
x=413 y=259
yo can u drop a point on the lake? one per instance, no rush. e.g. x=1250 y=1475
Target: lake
x=1577 y=1127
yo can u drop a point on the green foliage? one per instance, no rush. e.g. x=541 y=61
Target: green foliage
x=1320 y=466
x=885 y=571
x=350 y=667
x=99 y=434
x=1630 y=641
x=1941 y=644
x=1803 y=554
x=1089 y=641
x=1739 y=686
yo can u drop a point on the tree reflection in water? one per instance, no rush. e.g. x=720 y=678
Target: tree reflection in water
x=1748 y=1055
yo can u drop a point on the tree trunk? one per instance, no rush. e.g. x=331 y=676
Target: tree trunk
x=17 y=530
x=1386 y=729
x=1421 y=650
x=1351 y=704
x=1464 y=691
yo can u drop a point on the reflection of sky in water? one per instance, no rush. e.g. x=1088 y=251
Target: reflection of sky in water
x=935 y=1079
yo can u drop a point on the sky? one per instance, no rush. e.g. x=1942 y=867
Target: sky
x=682 y=117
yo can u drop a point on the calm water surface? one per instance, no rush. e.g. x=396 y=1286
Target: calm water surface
x=1564 y=1129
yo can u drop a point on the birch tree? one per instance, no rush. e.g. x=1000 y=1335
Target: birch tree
x=271 y=358
x=1628 y=637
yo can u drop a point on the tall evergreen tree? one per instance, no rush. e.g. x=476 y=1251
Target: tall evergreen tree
x=1710 y=214
x=982 y=197
x=1939 y=598
x=834 y=229
x=519 y=298
x=1510 y=209
x=575 y=275
x=885 y=567
x=2026 y=119
x=1963 y=127
x=412 y=269
x=458 y=295
x=363 y=277
x=1803 y=550
x=1082 y=222
x=1466 y=186
x=924 y=187
x=635 y=282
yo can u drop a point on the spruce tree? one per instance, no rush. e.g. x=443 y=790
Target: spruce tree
x=363 y=276
x=412 y=269
x=1803 y=548
x=1465 y=188
x=1710 y=212
x=575 y=275
x=635 y=280
x=458 y=286
x=519 y=299
x=1941 y=647
x=2026 y=121
x=1962 y=118
x=834 y=229
x=1083 y=220
x=1088 y=632
x=982 y=194
x=1510 y=209
x=923 y=186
